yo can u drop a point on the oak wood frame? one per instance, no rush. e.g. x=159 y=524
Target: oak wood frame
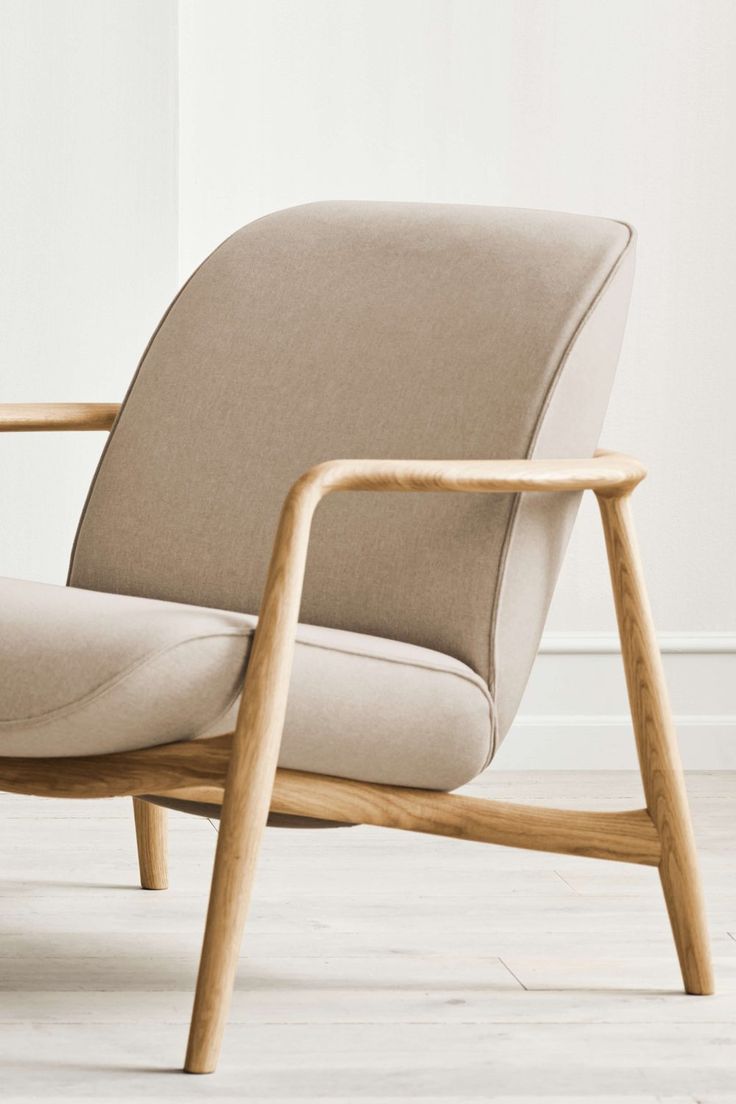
x=31 y=417
x=240 y=771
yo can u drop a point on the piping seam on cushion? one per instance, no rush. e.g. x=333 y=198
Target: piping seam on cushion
x=111 y=684
x=472 y=677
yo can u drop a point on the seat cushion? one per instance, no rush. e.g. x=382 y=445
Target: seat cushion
x=84 y=672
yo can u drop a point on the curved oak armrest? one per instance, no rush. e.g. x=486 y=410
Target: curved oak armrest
x=29 y=417
x=605 y=473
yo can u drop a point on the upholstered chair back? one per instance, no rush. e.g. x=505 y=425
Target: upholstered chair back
x=368 y=330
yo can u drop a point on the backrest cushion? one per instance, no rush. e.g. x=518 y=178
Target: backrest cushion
x=367 y=330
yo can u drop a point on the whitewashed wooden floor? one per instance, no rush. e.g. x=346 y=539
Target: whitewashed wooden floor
x=376 y=967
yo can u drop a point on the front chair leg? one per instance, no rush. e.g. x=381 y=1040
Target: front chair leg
x=242 y=822
x=250 y=778
x=656 y=743
x=150 y=834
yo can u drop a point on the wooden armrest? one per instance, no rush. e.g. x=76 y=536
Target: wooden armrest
x=25 y=417
x=605 y=473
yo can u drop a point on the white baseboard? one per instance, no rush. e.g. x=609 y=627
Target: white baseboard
x=574 y=714
x=607 y=643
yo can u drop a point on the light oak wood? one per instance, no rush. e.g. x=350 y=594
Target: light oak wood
x=150 y=834
x=656 y=743
x=607 y=473
x=250 y=777
x=123 y=774
x=623 y=837
x=28 y=417
x=241 y=770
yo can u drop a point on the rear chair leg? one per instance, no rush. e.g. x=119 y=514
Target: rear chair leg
x=656 y=743
x=150 y=834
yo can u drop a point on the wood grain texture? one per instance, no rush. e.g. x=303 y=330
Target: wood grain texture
x=605 y=473
x=656 y=742
x=250 y=777
x=621 y=836
x=123 y=774
x=624 y=836
x=150 y=834
x=34 y=417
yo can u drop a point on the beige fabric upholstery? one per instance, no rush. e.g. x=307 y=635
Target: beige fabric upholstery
x=367 y=330
x=325 y=331
x=540 y=527
x=85 y=672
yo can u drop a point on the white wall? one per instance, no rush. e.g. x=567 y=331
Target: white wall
x=624 y=108
x=611 y=107
x=88 y=233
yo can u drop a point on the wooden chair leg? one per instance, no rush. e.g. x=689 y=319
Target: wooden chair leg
x=656 y=742
x=242 y=822
x=250 y=777
x=150 y=834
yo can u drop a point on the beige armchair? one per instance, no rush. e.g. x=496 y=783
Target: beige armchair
x=391 y=334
